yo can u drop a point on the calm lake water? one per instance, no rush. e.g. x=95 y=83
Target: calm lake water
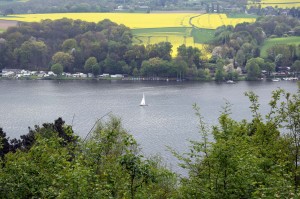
x=169 y=120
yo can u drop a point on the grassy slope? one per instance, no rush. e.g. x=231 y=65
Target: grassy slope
x=277 y=41
x=202 y=35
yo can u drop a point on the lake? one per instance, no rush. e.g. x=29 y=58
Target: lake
x=168 y=120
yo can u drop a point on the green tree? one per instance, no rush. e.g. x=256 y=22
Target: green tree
x=207 y=74
x=113 y=155
x=253 y=68
x=135 y=72
x=57 y=68
x=106 y=163
x=6 y=55
x=32 y=54
x=269 y=67
x=161 y=50
x=280 y=29
x=282 y=55
x=156 y=67
x=296 y=67
x=4 y=144
x=220 y=72
x=41 y=165
x=190 y=55
x=91 y=65
x=136 y=53
x=181 y=67
x=240 y=58
x=126 y=69
x=297 y=30
x=247 y=159
x=65 y=59
x=69 y=44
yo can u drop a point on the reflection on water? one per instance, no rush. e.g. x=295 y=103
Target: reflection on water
x=169 y=119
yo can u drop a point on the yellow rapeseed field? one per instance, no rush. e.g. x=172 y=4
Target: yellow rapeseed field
x=212 y=21
x=141 y=20
x=131 y=20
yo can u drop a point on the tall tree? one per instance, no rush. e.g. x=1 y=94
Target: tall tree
x=32 y=55
x=91 y=65
x=65 y=59
x=254 y=67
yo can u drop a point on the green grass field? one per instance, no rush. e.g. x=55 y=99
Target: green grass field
x=202 y=36
x=149 y=35
x=277 y=41
x=199 y=35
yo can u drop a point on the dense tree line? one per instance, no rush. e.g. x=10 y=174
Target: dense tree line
x=242 y=44
x=247 y=159
x=52 y=162
x=103 y=47
x=258 y=158
x=56 y=6
x=274 y=11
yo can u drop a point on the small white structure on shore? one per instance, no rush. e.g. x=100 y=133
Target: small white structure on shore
x=8 y=74
x=79 y=75
x=117 y=76
x=91 y=75
x=104 y=75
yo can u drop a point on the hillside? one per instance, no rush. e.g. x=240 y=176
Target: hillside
x=278 y=41
x=191 y=29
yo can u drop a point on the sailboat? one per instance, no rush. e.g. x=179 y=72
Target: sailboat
x=143 y=102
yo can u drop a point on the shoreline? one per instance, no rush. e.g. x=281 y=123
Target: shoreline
x=153 y=79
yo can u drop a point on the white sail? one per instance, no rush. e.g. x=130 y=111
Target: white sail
x=143 y=102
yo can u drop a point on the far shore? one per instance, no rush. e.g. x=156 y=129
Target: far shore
x=149 y=79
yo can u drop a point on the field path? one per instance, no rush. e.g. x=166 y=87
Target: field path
x=191 y=19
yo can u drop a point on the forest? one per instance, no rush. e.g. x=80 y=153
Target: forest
x=256 y=158
x=76 y=45
x=106 y=47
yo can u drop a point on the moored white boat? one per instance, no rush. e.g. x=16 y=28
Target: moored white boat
x=143 y=102
x=275 y=80
x=230 y=82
